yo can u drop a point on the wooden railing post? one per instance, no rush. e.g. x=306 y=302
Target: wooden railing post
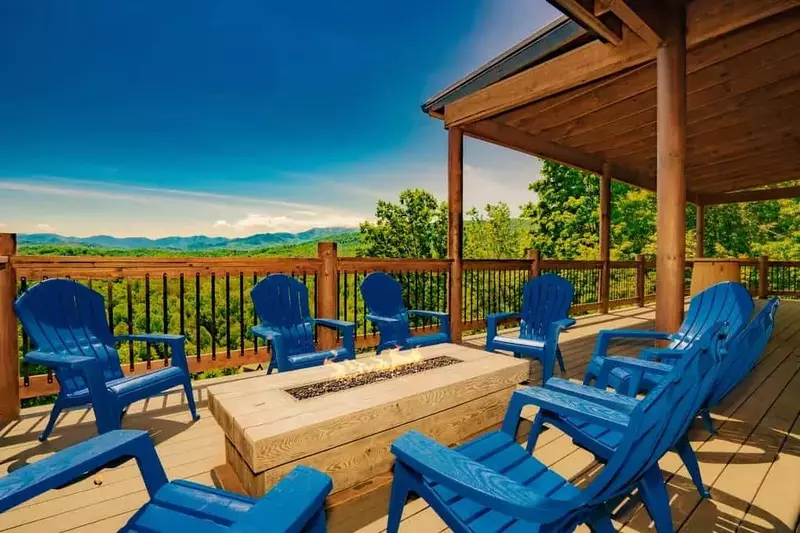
x=763 y=277
x=327 y=297
x=536 y=262
x=455 y=228
x=640 y=280
x=9 y=346
x=605 y=238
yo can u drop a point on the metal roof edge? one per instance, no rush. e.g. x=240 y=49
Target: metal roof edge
x=544 y=42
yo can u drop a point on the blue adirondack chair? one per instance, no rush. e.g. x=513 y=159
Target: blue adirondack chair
x=281 y=304
x=740 y=356
x=383 y=298
x=603 y=441
x=491 y=484
x=727 y=302
x=294 y=505
x=546 y=301
x=66 y=321
x=737 y=358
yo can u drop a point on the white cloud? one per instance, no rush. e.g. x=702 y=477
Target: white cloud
x=256 y=223
x=45 y=227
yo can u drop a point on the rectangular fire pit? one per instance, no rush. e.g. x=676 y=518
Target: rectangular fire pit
x=341 y=418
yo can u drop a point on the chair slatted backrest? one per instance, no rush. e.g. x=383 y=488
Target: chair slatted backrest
x=661 y=417
x=62 y=316
x=545 y=299
x=383 y=296
x=742 y=353
x=281 y=304
x=728 y=302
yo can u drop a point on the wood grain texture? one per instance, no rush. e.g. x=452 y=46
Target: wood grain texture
x=9 y=355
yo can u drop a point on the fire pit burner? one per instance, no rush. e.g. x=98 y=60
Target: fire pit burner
x=357 y=380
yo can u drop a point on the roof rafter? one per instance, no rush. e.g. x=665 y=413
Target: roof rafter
x=758 y=195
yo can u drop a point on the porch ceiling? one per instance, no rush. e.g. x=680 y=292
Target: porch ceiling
x=743 y=110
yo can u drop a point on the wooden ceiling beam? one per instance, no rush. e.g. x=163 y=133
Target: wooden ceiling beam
x=753 y=164
x=641 y=17
x=509 y=137
x=609 y=99
x=582 y=11
x=765 y=112
x=724 y=92
x=769 y=172
x=706 y=20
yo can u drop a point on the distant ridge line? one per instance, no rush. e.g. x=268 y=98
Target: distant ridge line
x=195 y=242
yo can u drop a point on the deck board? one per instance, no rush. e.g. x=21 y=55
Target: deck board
x=752 y=465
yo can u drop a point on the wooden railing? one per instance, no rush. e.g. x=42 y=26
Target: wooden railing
x=207 y=299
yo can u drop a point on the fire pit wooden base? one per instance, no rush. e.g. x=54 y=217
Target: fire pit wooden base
x=347 y=434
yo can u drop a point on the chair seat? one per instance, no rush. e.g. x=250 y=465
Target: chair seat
x=306 y=360
x=189 y=507
x=132 y=385
x=618 y=376
x=497 y=450
x=515 y=344
x=608 y=438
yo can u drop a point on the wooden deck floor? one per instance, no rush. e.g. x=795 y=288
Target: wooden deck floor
x=752 y=465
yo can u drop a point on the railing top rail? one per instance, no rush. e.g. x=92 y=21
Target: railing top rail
x=582 y=263
x=371 y=264
x=119 y=267
x=497 y=264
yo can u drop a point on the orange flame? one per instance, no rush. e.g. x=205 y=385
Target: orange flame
x=390 y=360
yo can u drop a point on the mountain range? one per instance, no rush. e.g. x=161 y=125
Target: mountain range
x=196 y=242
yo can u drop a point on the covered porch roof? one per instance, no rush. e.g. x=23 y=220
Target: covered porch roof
x=583 y=92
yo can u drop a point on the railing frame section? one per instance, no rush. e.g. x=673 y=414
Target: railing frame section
x=487 y=286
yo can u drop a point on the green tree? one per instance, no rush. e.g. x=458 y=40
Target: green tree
x=494 y=234
x=416 y=226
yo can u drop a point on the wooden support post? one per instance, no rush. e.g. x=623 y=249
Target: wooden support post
x=763 y=277
x=327 y=297
x=640 y=290
x=536 y=262
x=670 y=174
x=9 y=346
x=455 y=226
x=605 y=236
x=699 y=251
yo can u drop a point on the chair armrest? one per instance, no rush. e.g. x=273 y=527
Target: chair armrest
x=54 y=360
x=430 y=314
x=471 y=479
x=605 y=337
x=634 y=364
x=382 y=319
x=609 y=399
x=76 y=461
x=175 y=343
x=661 y=354
x=289 y=505
x=348 y=330
x=563 y=405
x=564 y=323
x=334 y=324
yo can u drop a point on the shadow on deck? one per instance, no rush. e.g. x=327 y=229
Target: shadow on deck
x=752 y=465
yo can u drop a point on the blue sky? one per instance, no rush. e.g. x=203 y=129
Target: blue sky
x=236 y=117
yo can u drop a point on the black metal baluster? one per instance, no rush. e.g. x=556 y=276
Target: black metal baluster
x=165 y=310
x=182 y=305
x=213 y=316
x=242 y=324
x=109 y=304
x=197 y=313
x=130 y=322
x=255 y=318
x=228 y=315
x=147 y=315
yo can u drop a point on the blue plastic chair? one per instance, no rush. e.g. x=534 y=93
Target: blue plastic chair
x=294 y=505
x=491 y=484
x=383 y=298
x=727 y=302
x=737 y=358
x=546 y=301
x=281 y=304
x=66 y=321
